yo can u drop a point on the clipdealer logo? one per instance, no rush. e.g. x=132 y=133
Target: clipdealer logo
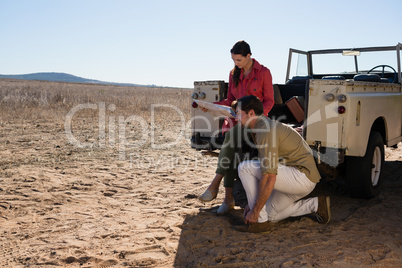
x=115 y=136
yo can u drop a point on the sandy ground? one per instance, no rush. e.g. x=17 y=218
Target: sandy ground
x=64 y=206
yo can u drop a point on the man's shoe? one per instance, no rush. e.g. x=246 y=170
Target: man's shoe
x=263 y=227
x=208 y=196
x=224 y=208
x=323 y=213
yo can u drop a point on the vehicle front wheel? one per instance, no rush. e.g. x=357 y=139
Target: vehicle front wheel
x=364 y=174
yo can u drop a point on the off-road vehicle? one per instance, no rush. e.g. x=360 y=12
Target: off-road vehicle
x=346 y=103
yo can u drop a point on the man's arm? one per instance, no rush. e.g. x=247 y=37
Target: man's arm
x=265 y=188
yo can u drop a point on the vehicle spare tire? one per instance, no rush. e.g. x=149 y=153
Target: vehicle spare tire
x=364 y=174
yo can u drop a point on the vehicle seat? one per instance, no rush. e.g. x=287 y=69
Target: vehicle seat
x=277 y=94
x=298 y=80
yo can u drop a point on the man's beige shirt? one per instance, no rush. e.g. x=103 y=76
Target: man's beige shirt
x=281 y=144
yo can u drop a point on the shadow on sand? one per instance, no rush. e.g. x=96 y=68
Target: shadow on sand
x=209 y=240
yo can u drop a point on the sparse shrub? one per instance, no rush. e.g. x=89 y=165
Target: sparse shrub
x=40 y=99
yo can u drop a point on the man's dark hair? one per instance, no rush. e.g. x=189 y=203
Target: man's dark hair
x=248 y=103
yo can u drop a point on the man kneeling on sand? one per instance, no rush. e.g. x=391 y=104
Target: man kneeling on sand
x=284 y=173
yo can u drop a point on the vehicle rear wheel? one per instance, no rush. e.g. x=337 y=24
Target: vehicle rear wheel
x=364 y=174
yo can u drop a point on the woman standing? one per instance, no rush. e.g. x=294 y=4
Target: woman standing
x=248 y=77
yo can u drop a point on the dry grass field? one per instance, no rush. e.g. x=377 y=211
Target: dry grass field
x=104 y=176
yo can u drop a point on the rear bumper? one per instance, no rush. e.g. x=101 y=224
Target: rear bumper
x=206 y=143
x=330 y=161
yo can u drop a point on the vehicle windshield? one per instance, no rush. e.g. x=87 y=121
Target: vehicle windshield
x=324 y=64
x=347 y=63
x=300 y=68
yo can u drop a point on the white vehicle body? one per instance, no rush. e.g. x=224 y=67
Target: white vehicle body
x=367 y=104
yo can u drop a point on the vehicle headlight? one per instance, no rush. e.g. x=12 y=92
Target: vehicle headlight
x=342 y=98
x=330 y=97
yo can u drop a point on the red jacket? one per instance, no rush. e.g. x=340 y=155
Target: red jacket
x=258 y=83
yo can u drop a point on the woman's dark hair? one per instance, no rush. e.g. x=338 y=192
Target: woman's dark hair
x=248 y=103
x=242 y=48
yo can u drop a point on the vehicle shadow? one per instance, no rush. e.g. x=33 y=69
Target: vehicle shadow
x=343 y=204
x=208 y=240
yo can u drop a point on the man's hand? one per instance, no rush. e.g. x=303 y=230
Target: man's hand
x=265 y=188
x=246 y=210
x=250 y=216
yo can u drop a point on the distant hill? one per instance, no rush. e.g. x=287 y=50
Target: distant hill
x=63 y=77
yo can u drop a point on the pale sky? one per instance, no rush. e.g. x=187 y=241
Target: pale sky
x=174 y=43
